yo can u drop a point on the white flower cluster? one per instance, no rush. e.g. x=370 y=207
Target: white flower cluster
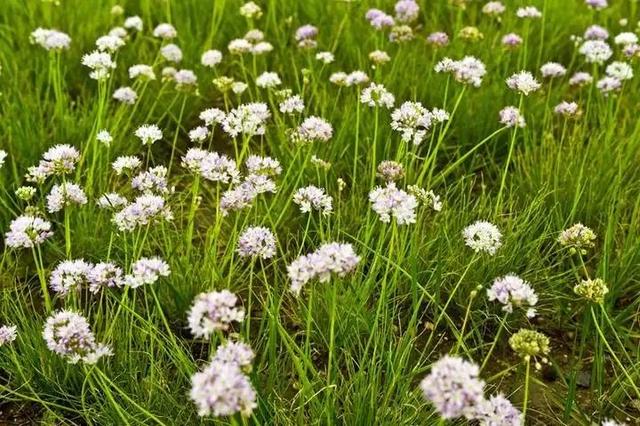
x=468 y=70
x=50 y=39
x=214 y=311
x=511 y=291
x=313 y=198
x=414 y=121
x=27 y=231
x=247 y=119
x=211 y=166
x=391 y=202
x=68 y=334
x=482 y=236
x=147 y=270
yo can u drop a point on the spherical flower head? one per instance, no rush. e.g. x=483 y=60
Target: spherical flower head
x=258 y=242
x=378 y=19
x=428 y=198
x=592 y=290
x=528 y=12
x=498 y=411
x=50 y=39
x=199 y=134
x=151 y=181
x=237 y=198
x=313 y=198
x=331 y=258
x=211 y=58
x=185 y=80
x=413 y=121
x=25 y=193
x=511 y=291
x=145 y=209
x=391 y=202
x=578 y=238
x=104 y=137
x=620 y=71
x=511 y=40
x=401 y=34
x=493 y=8
x=111 y=200
x=356 y=78
x=8 y=334
x=125 y=163
x=147 y=270
x=100 y=64
x=141 y=71
x=212 y=116
x=70 y=276
x=567 y=109
x=292 y=104
x=214 y=311
x=306 y=32
x=468 y=70
x=453 y=387
x=510 y=116
x=60 y=159
x=63 y=195
x=239 y=46
x=580 y=79
x=407 y=11
x=523 y=82
x=165 y=31
x=390 y=171
x=596 y=4
x=438 y=39
x=247 y=119
x=626 y=38
x=608 y=84
x=68 y=334
x=171 y=53
x=552 y=70
x=529 y=343
x=237 y=353
x=470 y=33
x=376 y=95
x=267 y=166
x=595 y=51
x=313 y=129
x=596 y=32
x=104 y=275
x=126 y=95
x=482 y=236
x=27 y=231
x=109 y=43
x=325 y=57
x=268 y=80
x=250 y=10
x=133 y=23
x=148 y=134
x=222 y=389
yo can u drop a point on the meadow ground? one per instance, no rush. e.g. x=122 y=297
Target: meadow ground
x=344 y=212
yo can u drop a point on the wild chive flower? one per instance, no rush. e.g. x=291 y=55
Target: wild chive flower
x=25 y=193
x=376 y=95
x=257 y=241
x=222 y=389
x=141 y=70
x=438 y=39
x=468 y=70
x=247 y=119
x=8 y=334
x=552 y=69
x=529 y=343
x=528 y=12
x=165 y=31
x=292 y=104
x=511 y=40
x=60 y=159
x=313 y=198
x=482 y=236
x=332 y=258
x=239 y=87
x=470 y=33
x=168 y=73
x=212 y=116
x=580 y=79
x=356 y=78
x=401 y=34
x=104 y=137
x=211 y=166
x=148 y=134
x=119 y=32
x=124 y=163
x=185 y=79
x=237 y=353
x=511 y=291
x=626 y=38
x=267 y=166
x=609 y=422
x=407 y=11
x=493 y=8
x=567 y=109
x=497 y=411
x=577 y=238
x=428 y=198
x=64 y=195
x=268 y=80
x=595 y=51
x=390 y=171
x=214 y=311
x=306 y=35
x=69 y=276
x=109 y=43
x=239 y=46
x=237 y=198
x=171 y=53
x=510 y=116
x=145 y=209
x=378 y=19
x=199 y=134
x=211 y=58
x=379 y=57
x=151 y=181
x=68 y=334
x=413 y=121
x=250 y=10
x=596 y=4
x=592 y=290
x=100 y=64
x=260 y=183
x=453 y=387
x=391 y=202
x=133 y=23
x=50 y=39
x=27 y=232
x=596 y=32
x=608 y=84
x=112 y=201
x=147 y=270
x=3 y=156
x=325 y=57
x=523 y=82
x=620 y=70
x=313 y=129
x=126 y=95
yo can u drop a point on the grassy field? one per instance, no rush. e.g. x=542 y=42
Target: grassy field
x=413 y=318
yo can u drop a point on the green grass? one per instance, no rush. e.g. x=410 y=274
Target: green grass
x=351 y=351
